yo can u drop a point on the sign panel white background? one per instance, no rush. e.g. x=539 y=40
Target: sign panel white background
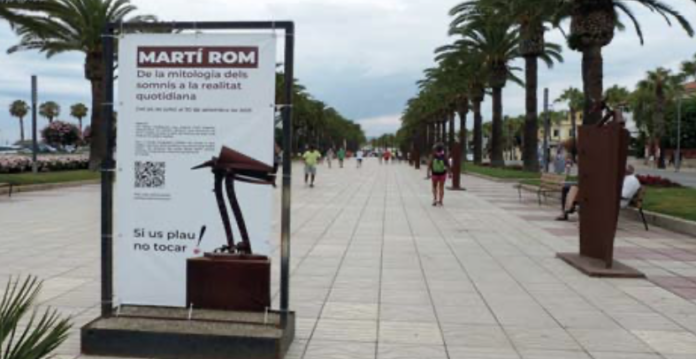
x=170 y=119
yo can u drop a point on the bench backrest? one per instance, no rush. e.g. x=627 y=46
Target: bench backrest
x=552 y=181
x=637 y=200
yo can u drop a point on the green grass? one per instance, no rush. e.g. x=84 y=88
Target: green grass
x=49 y=177
x=678 y=202
x=502 y=173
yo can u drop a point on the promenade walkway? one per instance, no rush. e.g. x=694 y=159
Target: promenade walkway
x=379 y=273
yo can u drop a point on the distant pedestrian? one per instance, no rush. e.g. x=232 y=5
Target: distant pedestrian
x=329 y=156
x=341 y=156
x=359 y=157
x=311 y=158
x=438 y=168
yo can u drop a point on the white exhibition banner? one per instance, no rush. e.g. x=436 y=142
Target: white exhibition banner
x=181 y=99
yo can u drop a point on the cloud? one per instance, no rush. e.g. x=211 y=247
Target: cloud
x=362 y=57
x=376 y=126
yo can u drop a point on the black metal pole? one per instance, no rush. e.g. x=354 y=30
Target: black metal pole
x=107 y=176
x=287 y=175
x=34 y=143
x=547 y=130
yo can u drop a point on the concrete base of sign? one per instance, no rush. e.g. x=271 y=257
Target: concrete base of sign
x=176 y=333
x=597 y=268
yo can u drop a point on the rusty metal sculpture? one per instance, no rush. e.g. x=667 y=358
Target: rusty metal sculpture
x=229 y=167
x=603 y=150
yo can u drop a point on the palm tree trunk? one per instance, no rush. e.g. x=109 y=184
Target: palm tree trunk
x=451 y=131
x=21 y=128
x=531 y=126
x=497 y=159
x=462 y=133
x=478 y=133
x=593 y=84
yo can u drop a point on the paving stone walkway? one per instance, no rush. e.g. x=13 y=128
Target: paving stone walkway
x=377 y=272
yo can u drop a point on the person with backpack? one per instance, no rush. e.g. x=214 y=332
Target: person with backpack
x=438 y=168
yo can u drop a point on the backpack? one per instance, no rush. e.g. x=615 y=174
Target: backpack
x=439 y=165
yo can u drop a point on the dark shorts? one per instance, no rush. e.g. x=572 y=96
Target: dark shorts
x=439 y=178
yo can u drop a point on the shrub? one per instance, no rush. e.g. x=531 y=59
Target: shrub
x=19 y=164
x=60 y=134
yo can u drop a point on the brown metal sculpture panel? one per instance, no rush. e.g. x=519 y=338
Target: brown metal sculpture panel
x=602 y=162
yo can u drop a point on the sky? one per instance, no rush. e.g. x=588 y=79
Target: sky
x=362 y=57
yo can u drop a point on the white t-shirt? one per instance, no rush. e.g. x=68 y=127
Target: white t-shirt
x=359 y=155
x=631 y=186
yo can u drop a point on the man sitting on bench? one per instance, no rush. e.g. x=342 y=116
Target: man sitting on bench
x=631 y=186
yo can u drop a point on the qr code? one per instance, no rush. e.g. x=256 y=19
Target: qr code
x=150 y=174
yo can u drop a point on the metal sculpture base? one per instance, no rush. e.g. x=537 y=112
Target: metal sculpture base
x=177 y=333
x=598 y=268
x=229 y=282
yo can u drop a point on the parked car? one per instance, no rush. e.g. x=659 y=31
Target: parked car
x=9 y=150
x=42 y=148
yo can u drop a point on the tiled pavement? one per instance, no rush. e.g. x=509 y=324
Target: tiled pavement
x=379 y=273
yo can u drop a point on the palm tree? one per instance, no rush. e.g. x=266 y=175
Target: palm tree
x=497 y=42
x=575 y=100
x=79 y=110
x=688 y=68
x=531 y=17
x=663 y=87
x=58 y=26
x=49 y=110
x=617 y=96
x=19 y=109
x=471 y=69
x=592 y=27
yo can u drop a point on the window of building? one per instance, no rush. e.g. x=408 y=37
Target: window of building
x=556 y=133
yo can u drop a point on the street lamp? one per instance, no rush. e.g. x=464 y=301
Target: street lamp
x=677 y=157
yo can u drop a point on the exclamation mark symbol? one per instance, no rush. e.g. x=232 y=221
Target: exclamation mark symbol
x=200 y=238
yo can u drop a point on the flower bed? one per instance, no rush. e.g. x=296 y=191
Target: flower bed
x=656 y=181
x=19 y=164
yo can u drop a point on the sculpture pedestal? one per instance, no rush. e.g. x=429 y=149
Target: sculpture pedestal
x=598 y=268
x=229 y=282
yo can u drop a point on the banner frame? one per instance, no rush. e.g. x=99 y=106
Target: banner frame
x=111 y=31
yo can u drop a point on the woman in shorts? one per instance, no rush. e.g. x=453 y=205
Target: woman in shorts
x=438 y=168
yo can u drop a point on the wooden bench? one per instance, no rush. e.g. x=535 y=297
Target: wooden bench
x=637 y=203
x=550 y=182
x=10 y=185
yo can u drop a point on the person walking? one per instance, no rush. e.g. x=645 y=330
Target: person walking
x=329 y=156
x=359 y=157
x=438 y=168
x=311 y=158
x=341 y=156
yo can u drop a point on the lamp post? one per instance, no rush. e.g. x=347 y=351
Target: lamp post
x=34 y=146
x=547 y=129
x=677 y=159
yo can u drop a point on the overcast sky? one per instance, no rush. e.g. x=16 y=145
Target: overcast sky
x=359 y=56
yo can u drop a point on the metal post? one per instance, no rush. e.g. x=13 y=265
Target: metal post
x=677 y=159
x=107 y=177
x=34 y=144
x=287 y=176
x=547 y=129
